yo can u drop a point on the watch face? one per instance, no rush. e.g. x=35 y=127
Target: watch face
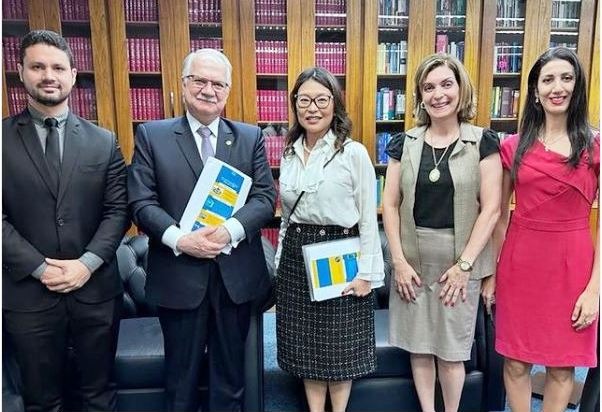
x=465 y=266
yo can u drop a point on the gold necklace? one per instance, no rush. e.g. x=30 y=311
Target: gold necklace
x=435 y=174
x=305 y=148
x=547 y=144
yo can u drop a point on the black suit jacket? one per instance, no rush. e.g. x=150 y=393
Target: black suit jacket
x=88 y=213
x=163 y=173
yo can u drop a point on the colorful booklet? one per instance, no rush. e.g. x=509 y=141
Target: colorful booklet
x=220 y=191
x=331 y=266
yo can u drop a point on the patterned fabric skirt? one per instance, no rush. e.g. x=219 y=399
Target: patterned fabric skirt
x=426 y=326
x=332 y=340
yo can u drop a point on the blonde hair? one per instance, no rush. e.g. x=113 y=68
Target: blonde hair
x=467 y=103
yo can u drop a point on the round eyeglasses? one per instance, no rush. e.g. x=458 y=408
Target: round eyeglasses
x=322 y=101
x=200 y=83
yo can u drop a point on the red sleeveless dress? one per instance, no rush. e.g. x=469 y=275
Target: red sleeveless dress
x=546 y=260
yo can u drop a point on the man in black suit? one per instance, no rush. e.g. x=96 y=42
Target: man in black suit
x=204 y=295
x=64 y=212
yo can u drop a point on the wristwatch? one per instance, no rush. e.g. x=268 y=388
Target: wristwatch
x=465 y=266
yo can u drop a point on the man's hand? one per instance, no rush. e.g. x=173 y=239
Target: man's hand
x=202 y=243
x=221 y=235
x=73 y=275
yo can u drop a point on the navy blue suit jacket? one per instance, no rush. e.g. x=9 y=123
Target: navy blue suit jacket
x=163 y=173
x=87 y=213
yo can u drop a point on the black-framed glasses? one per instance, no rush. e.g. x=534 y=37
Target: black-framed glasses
x=200 y=83
x=322 y=101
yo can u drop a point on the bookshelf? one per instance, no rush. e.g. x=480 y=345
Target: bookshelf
x=15 y=25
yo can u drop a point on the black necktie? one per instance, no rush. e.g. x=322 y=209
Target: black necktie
x=53 y=154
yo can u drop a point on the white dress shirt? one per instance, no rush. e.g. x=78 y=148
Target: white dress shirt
x=341 y=194
x=173 y=233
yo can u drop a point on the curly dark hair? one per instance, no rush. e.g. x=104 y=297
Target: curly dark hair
x=341 y=123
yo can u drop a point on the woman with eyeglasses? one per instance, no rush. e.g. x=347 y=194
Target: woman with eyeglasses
x=440 y=205
x=330 y=178
x=548 y=276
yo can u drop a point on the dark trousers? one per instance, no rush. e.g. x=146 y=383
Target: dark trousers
x=219 y=325
x=40 y=341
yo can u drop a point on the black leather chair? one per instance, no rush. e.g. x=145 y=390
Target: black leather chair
x=138 y=373
x=391 y=387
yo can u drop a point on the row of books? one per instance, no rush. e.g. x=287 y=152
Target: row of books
x=14 y=9
x=10 y=52
x=274 y=147
x=565 y=14
x=204 y=11
x=141 y=10
x=146 y=103
x=271 y=56
x=390 y=104
x=451 y=13
x=330 y=12
x=507 y=57
x=270 y=11
x=272 y=105
x=17 y=99
x=144 y=54
x=572 y=46
x=391 y=13
x=80 y=46
x=381 y=142
x=74 y=10
x=443 y=45
x=504 y=102
x=391 y=58
x=510 y=14
x=331 y=56
x=82 y=102
x=209 y=43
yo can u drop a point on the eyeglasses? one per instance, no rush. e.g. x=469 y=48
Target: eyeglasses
x=201 y=83
x=322 y=101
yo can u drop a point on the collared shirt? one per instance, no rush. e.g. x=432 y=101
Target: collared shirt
x=89 y=259
x=42 y=131
x=172 y=234
x=341 y=194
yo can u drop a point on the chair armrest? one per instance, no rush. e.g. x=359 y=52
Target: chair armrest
x=495 y=394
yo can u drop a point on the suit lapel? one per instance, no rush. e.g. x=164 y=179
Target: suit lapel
x=225 y=141
x=188 y=146
x=73 y=144
x=31 y=141
x=415 y=145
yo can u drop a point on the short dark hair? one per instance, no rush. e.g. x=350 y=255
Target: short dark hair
x=341 y=123
x=45 y=37
x=533 y=119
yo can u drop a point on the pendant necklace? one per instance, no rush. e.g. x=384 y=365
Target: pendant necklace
x=305 y=148
x=435 y=174
x=547 y=144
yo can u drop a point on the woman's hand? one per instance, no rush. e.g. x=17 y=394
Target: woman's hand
x=405 y=278
x=455 y=285
x=488 y=292
x=357 y=287
x=586 y=310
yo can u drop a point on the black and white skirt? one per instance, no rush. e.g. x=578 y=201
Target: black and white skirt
x=332 y=340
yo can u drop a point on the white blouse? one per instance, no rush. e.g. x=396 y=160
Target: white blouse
x=341 y=194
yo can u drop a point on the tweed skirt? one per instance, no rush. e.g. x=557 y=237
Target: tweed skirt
x=331 y=340
x=426 y=326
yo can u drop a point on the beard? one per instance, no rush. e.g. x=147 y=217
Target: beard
x=47 y=100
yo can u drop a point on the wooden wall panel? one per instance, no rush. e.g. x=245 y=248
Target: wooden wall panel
x=120 y=74
x=294 y=44
x=101 y=56
x=354 y=66
x=486 y=67
x=248 y=79
x=587 y=20
x=369 y=77
x=421 y=43
x=594 y=80
x=472 y=41
x=231 y=39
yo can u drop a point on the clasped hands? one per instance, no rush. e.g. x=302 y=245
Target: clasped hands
x=206 y=242
x=454 y=283
x=64 y=276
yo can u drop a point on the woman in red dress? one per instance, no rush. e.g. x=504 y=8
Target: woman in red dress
x=547 y=286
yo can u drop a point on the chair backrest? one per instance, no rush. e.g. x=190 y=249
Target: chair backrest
x=132 y=257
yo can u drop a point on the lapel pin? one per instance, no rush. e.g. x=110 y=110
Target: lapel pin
x=228 y=142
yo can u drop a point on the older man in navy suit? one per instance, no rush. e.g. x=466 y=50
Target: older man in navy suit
x=203 y=294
